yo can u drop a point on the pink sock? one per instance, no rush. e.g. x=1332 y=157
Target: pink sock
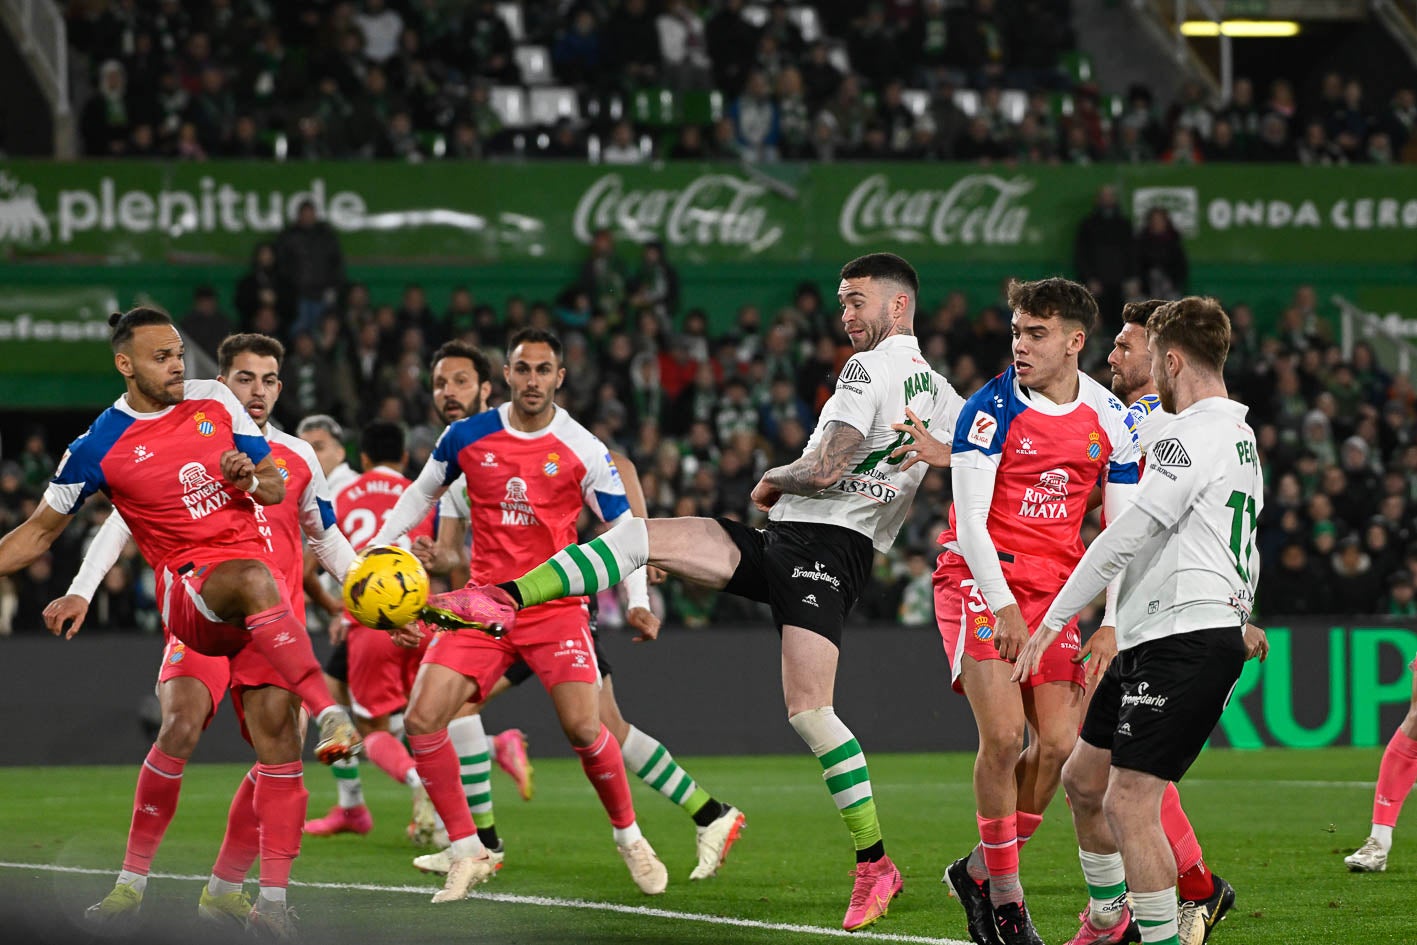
x=441 y=772
x=1395 y=778
x=154 y=803
x=999 y=838
x=1184 y=845
x=283 y=640
x=242 y=842
x=605 y=767
x=280 y=798
x=389 y=754
x=1027 y=826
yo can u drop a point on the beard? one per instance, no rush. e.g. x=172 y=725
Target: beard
x=468 y=409
x=1167 y=394
x=1126 y=385
x=157 y=391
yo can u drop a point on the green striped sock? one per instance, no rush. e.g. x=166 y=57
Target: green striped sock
x=351 y=790
x=475 y=761
x=1155 y=913
x=844 y=770
x=586 y=569
x=652 y=763
x=1106 y=886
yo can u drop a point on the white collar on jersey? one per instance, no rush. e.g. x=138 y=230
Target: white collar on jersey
x=122 y=404
x=505 y=412
x=1220 y=405
x=1042 y=404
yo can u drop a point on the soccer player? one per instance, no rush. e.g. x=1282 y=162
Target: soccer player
x=1205 y=897
x=843 y=500
x=1396 y=775
x=1185 y=554
x=380 y=671
x=462 y=382
x=270 y=803
x=717 y=825
x=514 y=460
x=1030 y=446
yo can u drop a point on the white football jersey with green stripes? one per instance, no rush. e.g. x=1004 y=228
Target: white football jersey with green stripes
x=874 y=389
x=1204 y=485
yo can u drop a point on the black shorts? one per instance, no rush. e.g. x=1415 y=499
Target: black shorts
x=519 y=672
x=337 y=663
x=809 y=574
x=1158 y=702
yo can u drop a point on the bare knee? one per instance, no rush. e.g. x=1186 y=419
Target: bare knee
x=1082 y=784
x=581 y=729
x=1054 y=752
x=258 y=586
x=1001 y=744
x=179 y=734
x=419 y=721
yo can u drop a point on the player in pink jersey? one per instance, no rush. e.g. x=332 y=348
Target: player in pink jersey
x=1028 y=449
x=530 y=470
x=271 y=798
x=381 y=673
x=717 y=825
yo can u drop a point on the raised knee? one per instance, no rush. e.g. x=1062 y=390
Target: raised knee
x=415 y=722
x=582 y=733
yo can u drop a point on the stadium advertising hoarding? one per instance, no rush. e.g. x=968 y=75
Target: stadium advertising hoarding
x=1324 y=684
x=55 y=339
x=707 y=214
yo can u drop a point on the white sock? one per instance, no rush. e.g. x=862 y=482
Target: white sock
x=347 y=783
x=413 y=780
x=1383 y=834
x=474 y=750
x=273 y=893
x=624 y=836
x=468 y=846
x=396 y=726
x=138 y=881
x=1155 y=913
x=220 y=887
x=1106 y=887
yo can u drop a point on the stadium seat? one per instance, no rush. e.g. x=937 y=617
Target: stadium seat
x=654 y=108
x=535 y=64
x=701 y=108
x=917 y=100
x=549 y=105
x=509 y=102
x=511 y=14
x=1013 y=103
x=968 y=101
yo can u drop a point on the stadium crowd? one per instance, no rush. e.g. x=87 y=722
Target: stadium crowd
x=969 y=80
x=702 y=414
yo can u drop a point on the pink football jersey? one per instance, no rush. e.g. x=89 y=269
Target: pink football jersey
x=1048 y=459
x=163 y=473
x=525 y=490
x=362 y=506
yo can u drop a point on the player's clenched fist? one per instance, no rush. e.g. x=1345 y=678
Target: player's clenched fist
x=237 y=468
x=70 y=610
x=1010 y=632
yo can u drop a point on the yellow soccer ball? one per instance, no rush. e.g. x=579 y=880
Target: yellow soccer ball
x=385 y=587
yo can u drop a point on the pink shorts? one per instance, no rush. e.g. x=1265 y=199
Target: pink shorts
x=967 y=624
x=214 y=672
x=553 y=639
x=381 y=673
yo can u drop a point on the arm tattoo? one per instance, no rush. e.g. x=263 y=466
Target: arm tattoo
x=819 y=468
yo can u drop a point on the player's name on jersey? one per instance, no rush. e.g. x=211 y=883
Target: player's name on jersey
x=372 y=486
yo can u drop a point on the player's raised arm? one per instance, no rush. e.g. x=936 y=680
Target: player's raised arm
x=66 y=614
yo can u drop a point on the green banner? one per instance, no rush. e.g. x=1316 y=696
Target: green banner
x=488 y=213
x=55 y=344
x=1323 y=685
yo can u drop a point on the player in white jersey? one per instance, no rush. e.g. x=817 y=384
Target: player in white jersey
x=829 y=512
x=1186 y=555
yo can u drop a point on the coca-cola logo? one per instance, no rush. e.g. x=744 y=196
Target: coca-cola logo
x=978 y=209
x=712 y=210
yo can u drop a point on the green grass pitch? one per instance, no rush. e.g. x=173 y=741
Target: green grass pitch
x=1276 y=824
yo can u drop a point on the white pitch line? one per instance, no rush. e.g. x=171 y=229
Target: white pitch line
x=546 y=901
